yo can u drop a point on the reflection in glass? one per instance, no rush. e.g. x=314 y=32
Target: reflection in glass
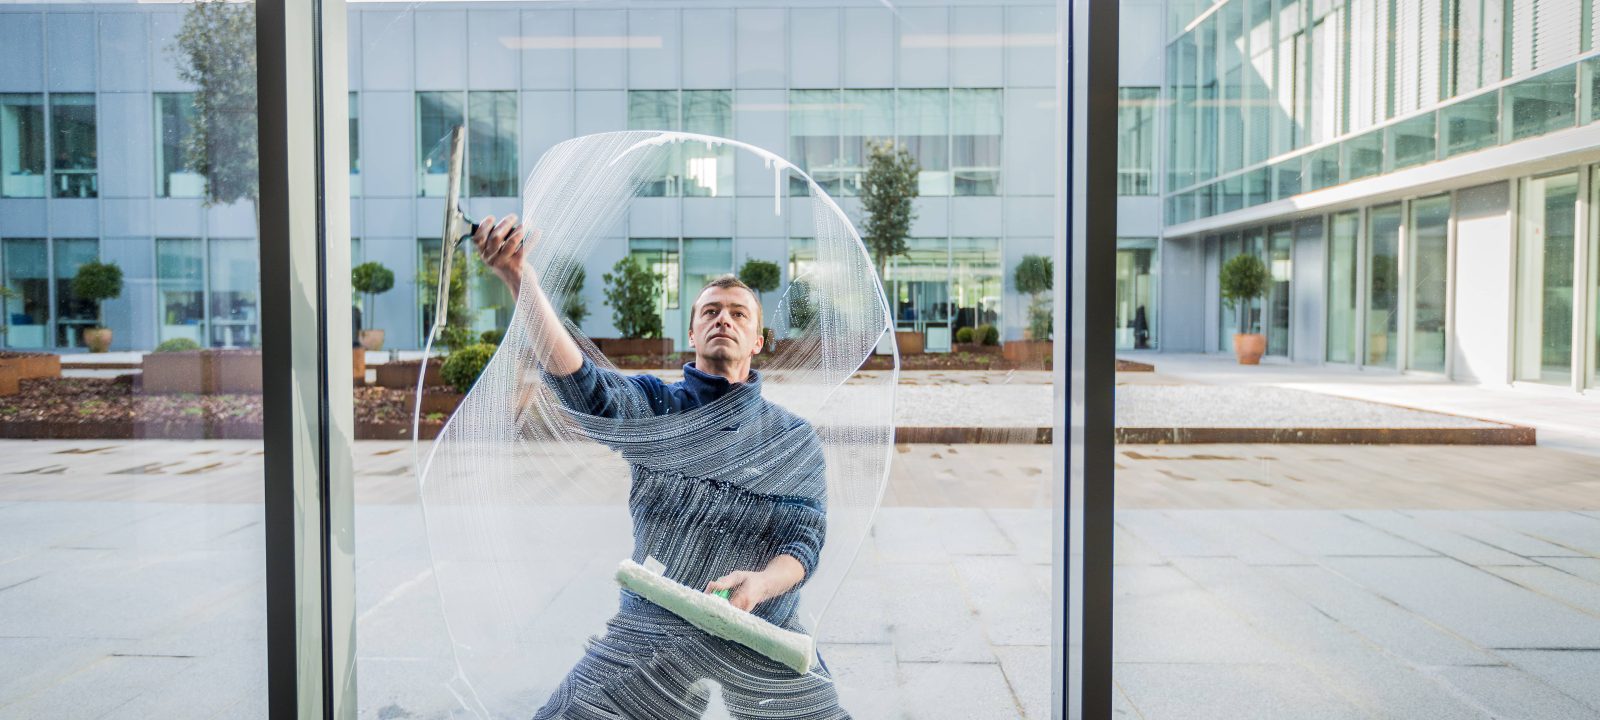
x=1411 y=142
x=867 y=116
x=1257 y=187
x=1542 y=104
x=924 y=123
x=1280 y=268
x=802 y=256
x=73 y=314
x=175 y=118
x=1429 y=271
x=655 y=110
x=492 y=143
x=814 y=123
x=1383 y=285
x=73 y=145
x=921 y=290
x=1136 y=288
x=975 y=129
x=1343 y=297
x=1323 y=167
x=976 y=282
x=1471 y=124
x=1286 y=177
x=234 y=277
x=437 y=114
x=180 y=289
x=1363 y=155
x=22 y=145
x=1230 y=194
x=26 y=263
x=1545 y=262
x=707 y=172
x=1136 y=130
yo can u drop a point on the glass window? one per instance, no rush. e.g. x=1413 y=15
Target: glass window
x=814 y=124
x=1429 y=279
x=975 y=128
x=1280 y=266
x=73 y=145
x=1136 y=137
x=355 y=145
x=1234 y=319
x=21 y=145
x=1136 y=293
x=802 y=256
x=707 y=171
x=1323 y=167
x=438 y=113
x=659 y=256
x=492 y=143
x=175 y=117
x=921 y=289
x=26 y=263
x=1230 y=195
x=1363 y=155
x=1343 y=298
x=73 y=314
x=1594 y=283
x=234 y=280
x=1411 y=142
x=1591 y=90
x=655 y=110
x=867 y=117
x=1542 y=104
x=978 y=282
x=180 y=289
x=1545 y=262
x=703 y=259
x=924 y=122
x=1383 y=285
x=1257 y=186
x=1471 y=124
x=1286 y=178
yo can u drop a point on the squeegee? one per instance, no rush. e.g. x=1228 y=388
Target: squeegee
x=715 y=615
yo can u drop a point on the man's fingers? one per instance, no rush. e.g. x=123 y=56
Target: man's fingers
x=481 y=235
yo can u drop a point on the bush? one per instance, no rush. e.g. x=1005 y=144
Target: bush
x=1243 y=279
x=761 y=275
x=177 y=345
x=964 y=336
x=491 y=337
x=464 y=365
x=97 y=282
x=987 y=335
x=456 y=337
x=632 y=292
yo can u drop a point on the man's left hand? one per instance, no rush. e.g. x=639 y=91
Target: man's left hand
x=750 y=589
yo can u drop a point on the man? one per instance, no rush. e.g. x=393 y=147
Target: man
x=735 y=502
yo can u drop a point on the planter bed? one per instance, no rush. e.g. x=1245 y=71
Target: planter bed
x=112 y=408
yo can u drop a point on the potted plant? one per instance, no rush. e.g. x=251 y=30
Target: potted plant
x=371 y=279
x=97 y=282
x=763 y=277
x=1034 y=275
x=1243 y=279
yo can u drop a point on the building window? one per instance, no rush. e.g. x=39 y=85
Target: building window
x=355 y=145
x=74 y=149
x=22 y=145
x=978 y=283
x=695 y=170
x=1343 y=298
x=814 y=144
x=492 y=143
x=866 y=116
x=1383 y=285
x=1136 y=141
x=1546 y=257
x=174 y=119
x=1280 y=269
x=234 y=282
x=26 y=264
x=180 y=289
x=438 y=113
x=802 y=256
x=655 y=110
x=660 y=257
x=923 y=118
x=1136 y=293
x=73 y=314
x=975 y=128
x=921 y=290
x=1429 y=271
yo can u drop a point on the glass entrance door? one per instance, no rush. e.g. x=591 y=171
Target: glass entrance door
x=1545 y=262
x=1429 y=271
x=1280 y=267
x=1135 y=294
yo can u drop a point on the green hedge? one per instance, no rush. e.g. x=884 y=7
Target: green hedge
x=465 y=364
x=177 y=345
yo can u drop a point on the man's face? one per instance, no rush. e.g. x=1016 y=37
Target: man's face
x=725 y=325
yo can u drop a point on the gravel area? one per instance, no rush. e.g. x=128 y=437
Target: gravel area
x=1266 y=407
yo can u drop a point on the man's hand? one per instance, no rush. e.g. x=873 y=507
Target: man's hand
x=502 y=248
x=753 y=588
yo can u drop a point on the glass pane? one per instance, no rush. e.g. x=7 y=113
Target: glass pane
x=977 y=287
x=1411 y=142
x=1344 y=298
x=72 y=139
x=1471 y=124
x=1430 y=277
x=814 y=125
x=27 y=275
x=1230 y=194
x=1363 y=156
x=1545 y=263
x=355 y=145
x=656 y=110
x=234 y=279
x=1136 y=294
x=867 y=117
x=1286 y=178
x=975 y=129
x=180 y=289
x=1280 y=266
x=176 y=175
x=74 y=312
x=1323 y=166
x=492 y=144
x=1257 y=186
x=1383 y=285
x=923 y=117
x=438 y=113
x=1542 y=104
x=920 y=282
x=708 y=171
x=21 y=145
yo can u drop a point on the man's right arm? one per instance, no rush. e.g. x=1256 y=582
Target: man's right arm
x=504 y=247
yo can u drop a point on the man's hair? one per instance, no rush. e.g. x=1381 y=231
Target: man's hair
x=724 y=281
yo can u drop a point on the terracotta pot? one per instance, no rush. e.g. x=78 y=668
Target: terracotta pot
x=358 y=361
x=910 y=343
x=372 y=339
x=402 y=374
x=1249 y=347
x=98 y=339
x=1029 y=353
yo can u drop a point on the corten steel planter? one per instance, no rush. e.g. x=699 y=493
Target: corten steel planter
x=358 y=365
x=372 y=339
x=27 y=366
x=9 y=382
x=1249 y=347
x=403 y=374
x=976 y=349
x=202 y=372
x=98 y=340
x=910 y=343
x=238 y=371
x=616 y=347
x=1028 y=352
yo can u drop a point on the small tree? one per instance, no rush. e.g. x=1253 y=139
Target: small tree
x=456 y=314
x=216 y=46
x=802 y=309
x=1036 y=276
x=631 y=291
x=1243 y=279
x=371 y=279
x=887 y=189
x=762 y=276
x=98 y=282
x=572 y=303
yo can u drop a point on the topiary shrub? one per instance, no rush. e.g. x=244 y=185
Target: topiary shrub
x=97 y=282
x=464 y=365
x=371 y=279
x=964 y=336
x=180 y=344
x=1243 y=279
x=1035 y=275
x=987 y=335
x=491 y=337
x=762 y=276
x=632 y=291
